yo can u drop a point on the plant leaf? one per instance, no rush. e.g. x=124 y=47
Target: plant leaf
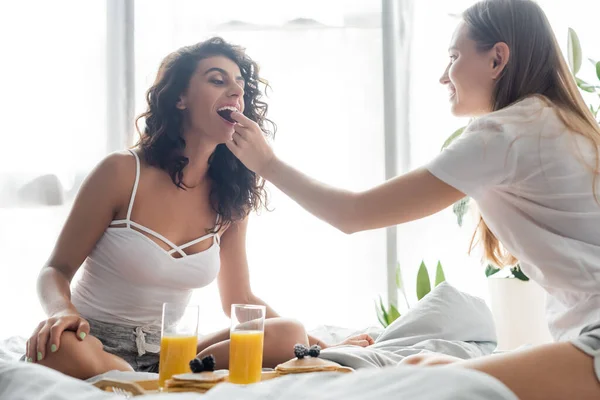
x=380 y=316
x=460 y=208
x=516 y=271
x=491 y=270
x=399 y=283
x=574 y=51
x=423 y=283
x=439 y=274
x=596 y=65
x=583 y=85
x=394 y=314
x=383 y=312
x=454 y=135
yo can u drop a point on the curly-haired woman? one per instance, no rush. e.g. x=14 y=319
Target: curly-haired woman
x=153 y=223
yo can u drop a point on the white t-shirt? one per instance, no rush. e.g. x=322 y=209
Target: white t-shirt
x=532 y=180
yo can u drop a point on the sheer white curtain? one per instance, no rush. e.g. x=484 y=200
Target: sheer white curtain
x=53 y=111
x=326 y=98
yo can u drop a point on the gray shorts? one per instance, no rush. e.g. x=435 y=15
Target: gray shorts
x=589 y=343
x=139 y=346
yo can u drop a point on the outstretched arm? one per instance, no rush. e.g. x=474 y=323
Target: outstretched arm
x=408 y=197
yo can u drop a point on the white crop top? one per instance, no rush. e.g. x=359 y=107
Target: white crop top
x=127 y=277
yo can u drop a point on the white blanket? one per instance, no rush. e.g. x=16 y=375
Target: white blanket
x=23 y=381
x=445 y=321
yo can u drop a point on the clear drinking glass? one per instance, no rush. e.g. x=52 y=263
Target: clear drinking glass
x=246 y=343
x=179 y=339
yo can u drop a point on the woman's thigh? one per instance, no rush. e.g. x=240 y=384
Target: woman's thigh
x=550 y=372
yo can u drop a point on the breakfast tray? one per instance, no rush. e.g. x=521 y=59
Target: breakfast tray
x=138 y=388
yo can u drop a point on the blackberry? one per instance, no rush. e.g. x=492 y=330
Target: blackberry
x=209 y=362
x=196 y=365
x=314 y=350
x=300 y=351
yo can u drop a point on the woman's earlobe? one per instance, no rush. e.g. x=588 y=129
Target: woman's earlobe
x=180 y=105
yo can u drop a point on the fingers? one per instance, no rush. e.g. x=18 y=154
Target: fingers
x=363 y=340
x=242 y=132
x=235 y=144
x=79 y=325
x=42 y=341
x=31 y=344
x=55 y=333
x=31 y=353
x=241 y=119
x=238 y=138
x=83 y=330
x=365 y=336
x=47 y=335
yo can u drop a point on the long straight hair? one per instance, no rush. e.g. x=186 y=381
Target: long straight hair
x=536 y=67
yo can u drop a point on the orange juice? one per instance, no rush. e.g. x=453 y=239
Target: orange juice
x=245 y=356
x=176 y=352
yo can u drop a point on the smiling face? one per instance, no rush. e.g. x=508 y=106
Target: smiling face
x=470 y=75
x=215 y=89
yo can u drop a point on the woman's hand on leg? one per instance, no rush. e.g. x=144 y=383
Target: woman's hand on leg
x=46 y=337
x=362 y=340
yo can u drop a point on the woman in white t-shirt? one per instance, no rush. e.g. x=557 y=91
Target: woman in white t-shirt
x=529 y=159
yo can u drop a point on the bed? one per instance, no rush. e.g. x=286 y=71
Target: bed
x=446 y=321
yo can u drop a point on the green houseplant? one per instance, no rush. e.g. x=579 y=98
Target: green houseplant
x=387 y=315
x=574 y=58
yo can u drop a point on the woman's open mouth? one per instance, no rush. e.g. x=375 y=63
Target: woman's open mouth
x=225 y=113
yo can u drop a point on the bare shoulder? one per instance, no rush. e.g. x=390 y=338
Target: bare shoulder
x=113 y=177
x=119 y=162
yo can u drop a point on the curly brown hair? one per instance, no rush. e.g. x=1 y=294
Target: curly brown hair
x=235 y=190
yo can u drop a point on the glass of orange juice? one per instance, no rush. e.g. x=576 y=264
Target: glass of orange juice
x=179 y=339
x=246 y=343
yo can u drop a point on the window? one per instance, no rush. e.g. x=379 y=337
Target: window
x=53 y=131
x=324 y=63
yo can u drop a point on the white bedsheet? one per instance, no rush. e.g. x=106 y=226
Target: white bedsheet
x=23 y=381
x=12 y=348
